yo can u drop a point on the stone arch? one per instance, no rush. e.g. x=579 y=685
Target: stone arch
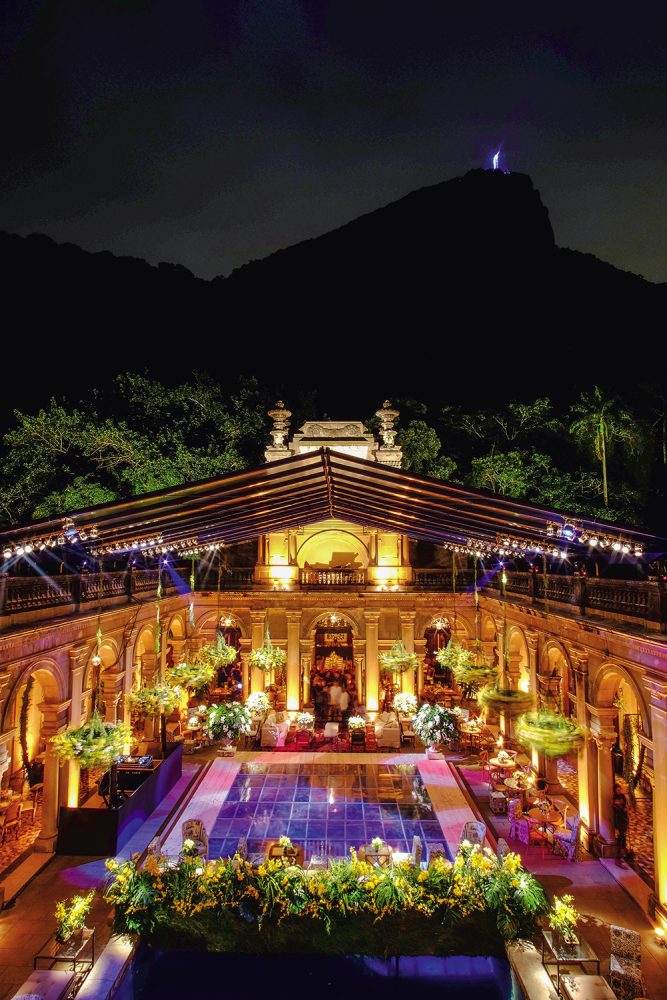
x=51 y=677
x=176 y=626
x=144 y=647
x=319 y=539
x=51 y=683
x=555 y=663
x=228 y=619
x=208 y=621
x=487 y=630
x=517 y=647
x=309 y=626
x=608 y=680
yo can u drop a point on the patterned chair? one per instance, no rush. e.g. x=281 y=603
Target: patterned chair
x=498 y=802
x=520 y=825
x=194 y=829
x=414 y=857
x=566 y=842
x=474 y=832
x=502 y=849
x=625 y=966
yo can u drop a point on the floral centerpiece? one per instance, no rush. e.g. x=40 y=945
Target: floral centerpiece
x=154 y=700
x=356 y=722
x=269 y=657
x=405 y=703
x=287 y=845
x=563 y=918
x=397 y=660
x=257 y=702
x=377 y=843
x=305 y=720
x=94 y=744
x=504 y=699
x=548 y=733
x=189 y=849
x=71 y=916
x=193 y=676
x=228 y=721
x=435 y=724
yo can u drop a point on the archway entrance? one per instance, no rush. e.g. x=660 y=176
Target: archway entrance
x=333 y=667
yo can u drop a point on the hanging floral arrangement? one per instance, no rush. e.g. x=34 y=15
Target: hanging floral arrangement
x=471 y=675
x=194 y=676
x=216 y=654
x=504 y=699
x=268 y=657
x=435 y=724
x=94 y=744
x=257 y=702
x=548 y=733
x=156 y=699
x=397 y=660
x=228 y=721
x=405 y=703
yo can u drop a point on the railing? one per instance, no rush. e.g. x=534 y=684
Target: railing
x=68 y=593
x=441 y=579
x=332 y=577
x=637 y=600
x=237 y=578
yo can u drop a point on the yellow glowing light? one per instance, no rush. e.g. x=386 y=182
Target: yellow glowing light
x=660 y=936
x=524 y=684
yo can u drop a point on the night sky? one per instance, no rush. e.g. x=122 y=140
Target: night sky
x=210 y=133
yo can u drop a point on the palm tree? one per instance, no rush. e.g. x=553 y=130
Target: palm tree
x=601 y=422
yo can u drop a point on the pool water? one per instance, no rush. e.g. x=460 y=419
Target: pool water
x=322 y=806
x=174 y=975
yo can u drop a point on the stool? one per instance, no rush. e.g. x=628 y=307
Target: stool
x=498 y=803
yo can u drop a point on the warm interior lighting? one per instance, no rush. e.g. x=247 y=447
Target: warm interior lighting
x=659 y=933
x=524 y=684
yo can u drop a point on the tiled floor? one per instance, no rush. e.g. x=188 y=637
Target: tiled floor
x=324 y=806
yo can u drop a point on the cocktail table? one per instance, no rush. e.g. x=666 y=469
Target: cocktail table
x=586 y=988
x=567 y=954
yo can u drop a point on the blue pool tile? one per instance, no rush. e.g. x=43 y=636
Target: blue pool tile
x=282 y=810
x=317 y=810
x=296 y=829
x=238 y=826
x=228 y=810
x=245 y=809
x=284 y=794
x=302 y=795
x=316 y=830
x=300 y=810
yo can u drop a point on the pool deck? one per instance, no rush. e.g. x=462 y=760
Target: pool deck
x=598 y=894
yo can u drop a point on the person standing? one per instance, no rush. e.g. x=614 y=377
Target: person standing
x=621 y=823
x=335 y=691
x=343 y=705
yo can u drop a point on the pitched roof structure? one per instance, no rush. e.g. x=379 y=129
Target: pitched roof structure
x=317 y=485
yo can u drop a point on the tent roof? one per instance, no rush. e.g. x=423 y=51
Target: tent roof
x=310 y=487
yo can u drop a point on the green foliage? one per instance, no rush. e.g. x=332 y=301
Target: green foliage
x=421 y=451
x=154 y=700
x=228 y=720
x=193 y=676
x=548 y=733
x=436 y=724
x=476 y=886
x=397 y=659
x=94 y=744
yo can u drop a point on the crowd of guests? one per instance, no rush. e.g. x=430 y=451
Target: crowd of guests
x=334 y=695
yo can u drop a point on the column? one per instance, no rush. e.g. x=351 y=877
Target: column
x=258 y=620
x=129 y=640
x=162 y=662
x=293 y=660
x=54 y=721
x=245 y=669
x=373 y=547
x=112 y=689
x=420 y=650
x=78 y=657
x=500 y=651
x=658 y=705
x=586 y=789
x=603 y=731
x=532 y=640
x=372 y=663
x=487 y=649
x=408 y=638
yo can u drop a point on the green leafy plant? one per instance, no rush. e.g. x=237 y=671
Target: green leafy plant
x=397 y=659
x=94 y=744
x=228 y=721
x=154 y=700
x=504 y=699
x=193 y=676
x=548 y=733
x=216 y=654
x=71 y=916
x=269 y=657
x=470 y=672
x=563 y=917
x=356 y=722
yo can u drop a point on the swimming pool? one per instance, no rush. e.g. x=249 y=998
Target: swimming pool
x=322 y=805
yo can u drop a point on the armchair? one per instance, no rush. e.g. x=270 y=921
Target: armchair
x=194 y=829
x=625 y=963
x=388 y=730
x=474 y=832
x=566 y=841
x=275 y=729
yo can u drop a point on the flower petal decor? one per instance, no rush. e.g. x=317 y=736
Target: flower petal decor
x=257 y=702
x=405 y=703
x=436 y=724
x=228 y=721
x=94 y=744
x=548 y=733
x=397 y=660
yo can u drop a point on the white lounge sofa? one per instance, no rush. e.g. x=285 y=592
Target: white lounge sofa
x=388 y=730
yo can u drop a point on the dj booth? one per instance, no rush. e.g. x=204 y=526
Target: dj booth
x=138 y=787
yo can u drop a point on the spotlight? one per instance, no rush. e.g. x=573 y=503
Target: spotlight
x=19 y=550
x=616 y=546
x=593 y=541
x=625 y=549
x=7 y=553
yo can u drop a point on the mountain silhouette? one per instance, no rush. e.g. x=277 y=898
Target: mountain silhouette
x=457 y=290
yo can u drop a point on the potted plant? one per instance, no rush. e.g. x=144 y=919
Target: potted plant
x=269 y=657
x=548 y=733
x=563 y=919
x=227 y=722
x=356 y=722
x=71 y=917
x=435 y=725
x=289 y=850
x=470 y=671
x=305 y=720
x=94 y=744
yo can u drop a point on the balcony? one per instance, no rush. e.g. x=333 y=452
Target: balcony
x=332 y=578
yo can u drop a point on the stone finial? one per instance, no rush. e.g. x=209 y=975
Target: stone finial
x=387 y=417
x=280 y=416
